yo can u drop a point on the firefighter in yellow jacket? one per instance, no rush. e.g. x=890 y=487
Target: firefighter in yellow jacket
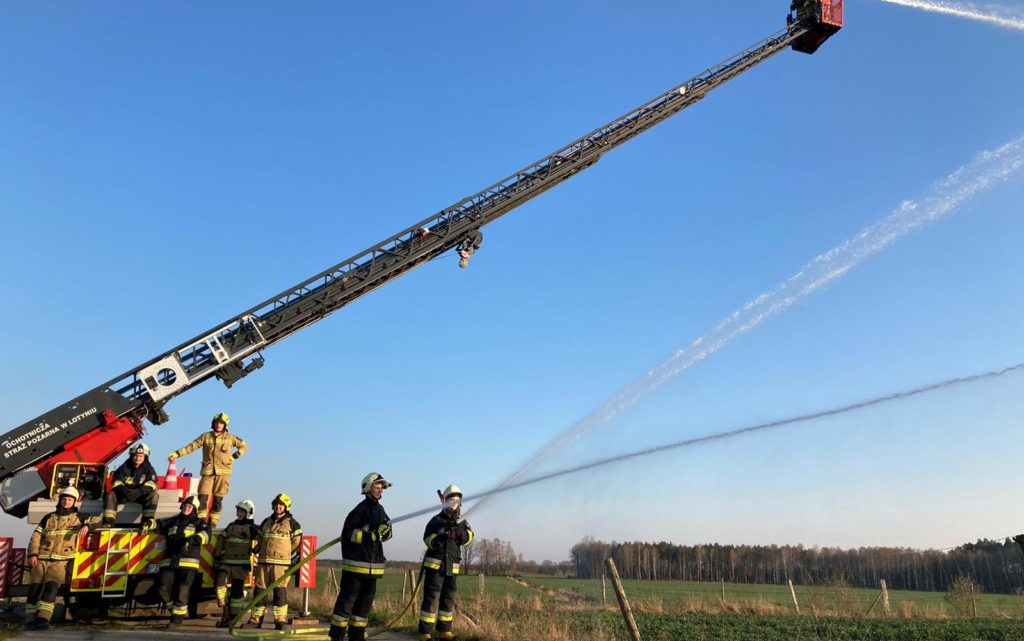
x=215 y=475
x=280 y=537
x=234 y=553
x=51 y=553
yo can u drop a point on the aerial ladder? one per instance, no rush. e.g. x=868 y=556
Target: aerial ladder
x=103 y=422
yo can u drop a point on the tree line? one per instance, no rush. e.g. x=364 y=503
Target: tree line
x=996 y=566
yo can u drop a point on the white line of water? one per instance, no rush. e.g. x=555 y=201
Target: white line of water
x=1011 y=18
x=986 y=170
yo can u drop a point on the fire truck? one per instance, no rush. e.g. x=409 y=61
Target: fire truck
x=75 y=441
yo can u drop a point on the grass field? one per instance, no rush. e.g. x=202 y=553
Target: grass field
x=568 y=609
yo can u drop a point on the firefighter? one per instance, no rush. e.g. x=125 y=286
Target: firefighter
x=186 y=533
x=217 y=459
x=468 y=247
x=51 y=553
x=280 y=537
x=134 y=482
x=366 y=528
x=234 y=553
x=444 y=537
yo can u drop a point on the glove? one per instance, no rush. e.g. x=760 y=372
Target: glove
x=384 y=531
x=195 y=540
x=453 y=534
x=236 y=455
x=172 y=456
x=187 y=547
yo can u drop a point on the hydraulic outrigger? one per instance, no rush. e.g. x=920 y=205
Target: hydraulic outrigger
x=103 y=422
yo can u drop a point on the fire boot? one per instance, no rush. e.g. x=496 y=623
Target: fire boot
x=225 y=618
x=279 y=625
x=176 y=621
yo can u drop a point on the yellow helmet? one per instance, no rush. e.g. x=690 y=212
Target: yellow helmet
x=222 y=417
x=283 y=499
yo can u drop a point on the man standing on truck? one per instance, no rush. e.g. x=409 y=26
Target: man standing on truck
x=51 y=553
x=234 y=560
x=186 y=533
x=215 y=474
x=366 y=528
x=280 y=537
x=134 y=482
x=444 y=537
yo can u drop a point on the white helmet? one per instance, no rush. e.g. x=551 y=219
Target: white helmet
x=141 y=447
x=248 y=506
x=372 y=478
x=69 y=491
x=452 y=490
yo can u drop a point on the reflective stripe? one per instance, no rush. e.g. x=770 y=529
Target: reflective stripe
x=357 y=536
x=340 y=620
x=432 y=563
x=182 y=563
x=445 y=616
x=259 y=611
x=455 y=568
x=150 y=484
x=373 y=569
x=179 y=610
x=427 y=617
x=470 y=537
x=358 y=622
x=430 y=539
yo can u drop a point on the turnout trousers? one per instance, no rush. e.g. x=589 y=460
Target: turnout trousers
x=46 y=579
x=438 y=609
x=352 y=609
x=174 y=586
x=278 y=598
x=236 y=575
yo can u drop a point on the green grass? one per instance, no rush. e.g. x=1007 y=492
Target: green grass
x=843 y=599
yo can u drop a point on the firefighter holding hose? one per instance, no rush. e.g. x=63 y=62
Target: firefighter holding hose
x=444 y=537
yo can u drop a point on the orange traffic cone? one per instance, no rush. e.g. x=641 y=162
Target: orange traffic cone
x=171 y=478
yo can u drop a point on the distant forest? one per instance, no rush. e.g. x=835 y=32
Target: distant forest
x=996 y=566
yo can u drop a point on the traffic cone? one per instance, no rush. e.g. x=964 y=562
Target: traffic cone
x=171 y=478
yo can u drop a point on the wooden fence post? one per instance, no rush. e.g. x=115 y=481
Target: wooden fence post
x=604 y=592
x=627 y=613
x=792 y=593
x=723 y=590
x=481 y=580
x=885 y=598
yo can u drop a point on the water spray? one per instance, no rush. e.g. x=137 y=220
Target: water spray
x=1011 y=18
x=988 y=169
x=740 y=431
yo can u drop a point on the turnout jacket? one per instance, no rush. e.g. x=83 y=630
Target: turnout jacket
x=279 y=539
x=362 y=538
x=131 y=477
x=56 y=536
x=239 y=540
x=444 y=537
x=217 y=454
x=184 y=535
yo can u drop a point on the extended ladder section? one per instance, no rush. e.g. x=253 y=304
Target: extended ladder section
x=233 y=349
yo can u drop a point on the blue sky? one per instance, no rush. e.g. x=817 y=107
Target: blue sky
x=163 y=167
